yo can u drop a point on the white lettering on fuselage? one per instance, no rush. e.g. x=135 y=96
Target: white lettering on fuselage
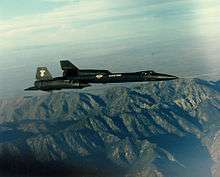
x=115 y=75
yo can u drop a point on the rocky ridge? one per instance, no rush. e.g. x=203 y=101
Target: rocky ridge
x=161 y=129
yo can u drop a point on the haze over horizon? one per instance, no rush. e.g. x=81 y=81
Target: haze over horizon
x=179 y=37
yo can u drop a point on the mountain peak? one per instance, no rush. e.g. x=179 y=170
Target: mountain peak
x=131 y=130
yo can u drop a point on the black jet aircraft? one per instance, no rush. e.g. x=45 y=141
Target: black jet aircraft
x=75 y=78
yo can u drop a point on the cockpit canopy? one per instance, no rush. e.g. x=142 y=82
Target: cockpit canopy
x=149 y=72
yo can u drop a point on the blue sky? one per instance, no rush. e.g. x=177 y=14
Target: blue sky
x=179 y=37
x=11 y=8
x=50 y=22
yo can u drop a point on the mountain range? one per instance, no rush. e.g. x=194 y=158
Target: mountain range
x=160 y=129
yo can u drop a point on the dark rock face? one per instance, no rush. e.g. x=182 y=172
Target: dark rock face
x=166 y=129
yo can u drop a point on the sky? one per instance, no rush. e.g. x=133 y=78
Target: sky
x=179 y=37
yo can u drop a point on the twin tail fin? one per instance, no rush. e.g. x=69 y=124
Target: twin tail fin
x=43 y=74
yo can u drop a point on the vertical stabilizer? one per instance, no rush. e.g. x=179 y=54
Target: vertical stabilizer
x=67 y=65
x=43 y=74
x=68 y=68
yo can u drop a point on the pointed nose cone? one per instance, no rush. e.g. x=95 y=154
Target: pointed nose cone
x=163 y=77
x=167 y=76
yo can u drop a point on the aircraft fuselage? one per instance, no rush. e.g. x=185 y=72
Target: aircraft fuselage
x=142 y=76
x=73 y=78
